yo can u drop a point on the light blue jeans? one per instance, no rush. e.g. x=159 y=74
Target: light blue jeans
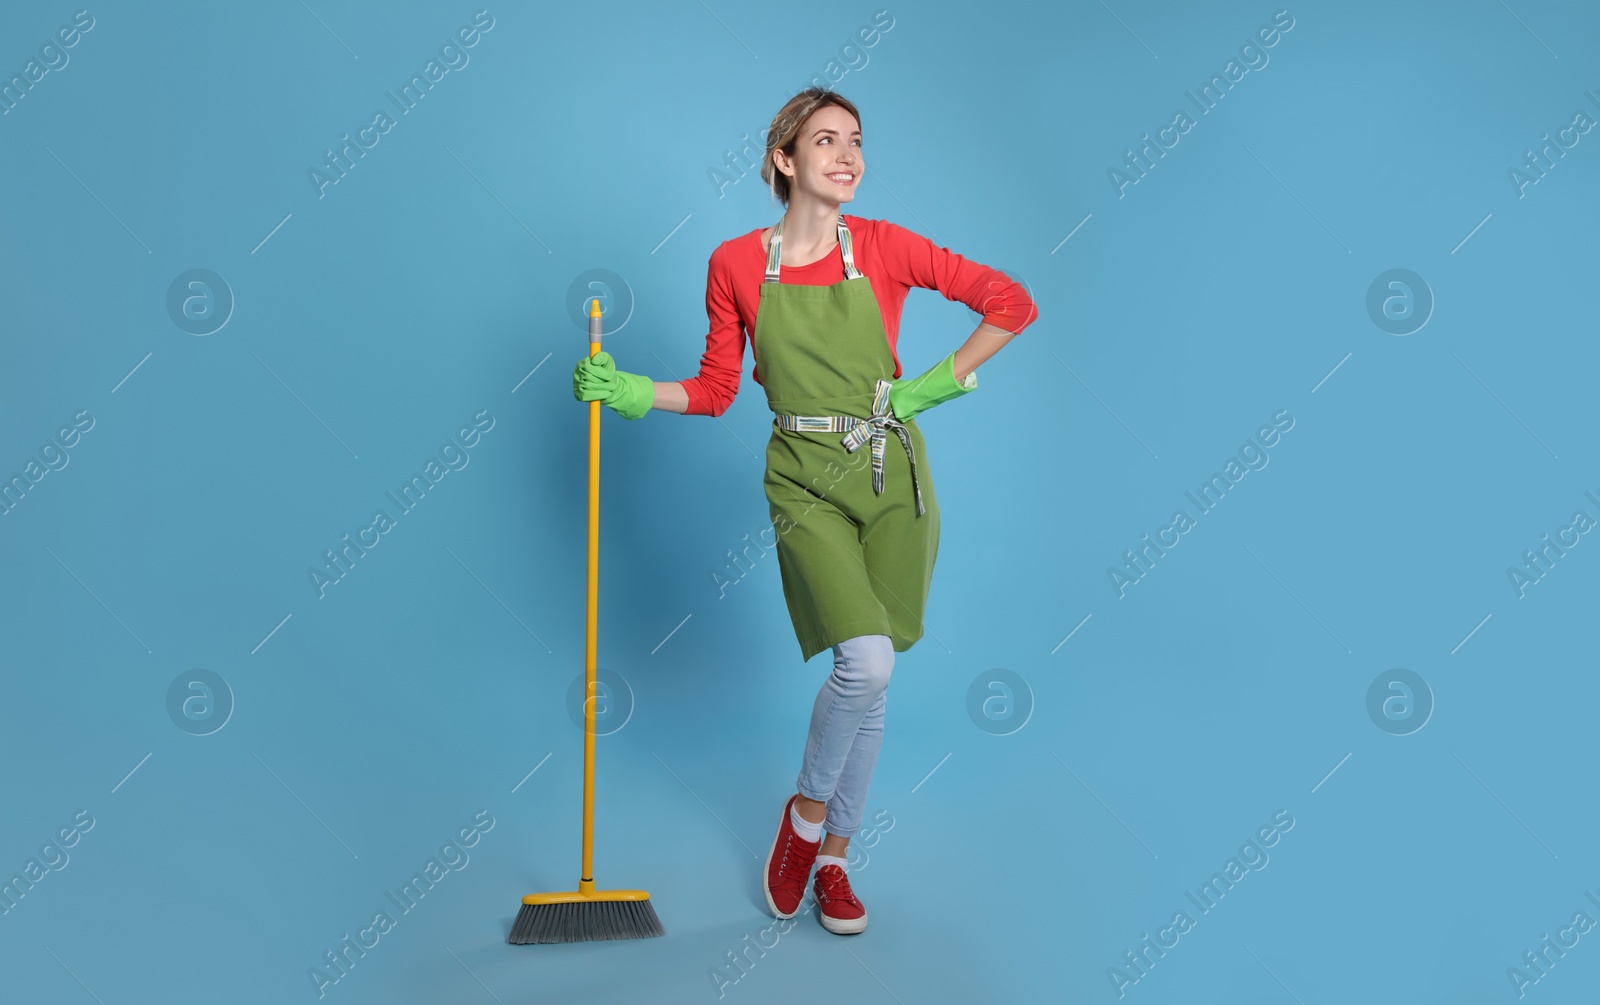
x=847 y=731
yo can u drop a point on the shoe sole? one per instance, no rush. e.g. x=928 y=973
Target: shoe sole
x=840 y=926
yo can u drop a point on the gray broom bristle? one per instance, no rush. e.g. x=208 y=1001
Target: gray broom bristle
x=585 y=921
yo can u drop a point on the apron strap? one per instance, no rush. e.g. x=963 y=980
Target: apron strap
x=846 y=249
x=871 y=431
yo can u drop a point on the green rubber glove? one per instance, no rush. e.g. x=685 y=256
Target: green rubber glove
x=596 y=377
x=908 y=398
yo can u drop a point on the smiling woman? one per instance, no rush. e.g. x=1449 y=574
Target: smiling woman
x=856 y=542
x=831 y=124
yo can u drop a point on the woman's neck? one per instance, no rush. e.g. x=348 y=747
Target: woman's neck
x=810 y=226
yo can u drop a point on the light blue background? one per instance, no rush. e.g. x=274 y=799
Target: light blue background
x=430 y=284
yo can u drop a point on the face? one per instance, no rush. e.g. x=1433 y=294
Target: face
x=827 y=162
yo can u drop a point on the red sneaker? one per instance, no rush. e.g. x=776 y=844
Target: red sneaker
x=788 y=867
x=841 y=913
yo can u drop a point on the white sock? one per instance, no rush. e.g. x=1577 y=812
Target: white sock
x=806 y=829
x=823 y=860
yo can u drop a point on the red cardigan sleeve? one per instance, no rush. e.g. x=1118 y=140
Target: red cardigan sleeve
x=1002 y=301
x=711 y=391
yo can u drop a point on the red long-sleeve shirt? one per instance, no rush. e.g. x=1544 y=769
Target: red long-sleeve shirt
x=893 y=258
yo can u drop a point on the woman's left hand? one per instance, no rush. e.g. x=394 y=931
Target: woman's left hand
x=909 y=398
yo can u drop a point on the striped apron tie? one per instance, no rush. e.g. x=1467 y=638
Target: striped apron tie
x=858 y=431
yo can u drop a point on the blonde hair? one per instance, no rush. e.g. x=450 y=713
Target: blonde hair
x=785 y=132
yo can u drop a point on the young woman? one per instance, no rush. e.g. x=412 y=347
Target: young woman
x=855 y=514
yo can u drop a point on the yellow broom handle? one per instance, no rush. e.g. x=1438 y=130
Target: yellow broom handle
x=586 y=879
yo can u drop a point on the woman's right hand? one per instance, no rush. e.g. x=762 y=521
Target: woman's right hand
x=596 y=378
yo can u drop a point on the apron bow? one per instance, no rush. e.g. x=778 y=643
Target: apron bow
x=873 y=430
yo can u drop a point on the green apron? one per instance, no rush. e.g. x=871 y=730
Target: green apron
x=857 y=529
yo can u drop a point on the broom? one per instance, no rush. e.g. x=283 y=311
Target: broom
x=587 y=914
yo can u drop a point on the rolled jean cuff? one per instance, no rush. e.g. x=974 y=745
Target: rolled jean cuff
x=800 y=787
x=844 y=832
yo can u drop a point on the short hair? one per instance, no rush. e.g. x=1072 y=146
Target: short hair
x=784 y=132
